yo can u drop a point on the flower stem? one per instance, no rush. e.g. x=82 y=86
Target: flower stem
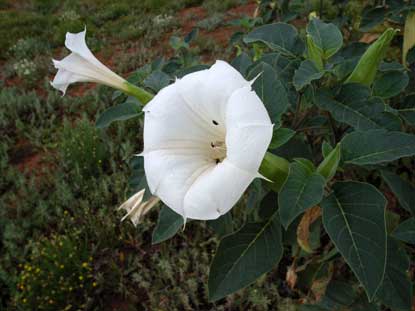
x=142 y=95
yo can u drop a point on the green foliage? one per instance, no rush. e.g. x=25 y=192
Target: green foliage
x=376 y=146
x=305 y=74
x=354 y=218
x=270 y=89
x=168 y=224
x=127 y=110
x=255 y=245
x=326 y=37
x=302 y=190
x=396 y=288
x=405 y=231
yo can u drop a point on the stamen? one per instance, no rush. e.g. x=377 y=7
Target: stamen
x=215 y=122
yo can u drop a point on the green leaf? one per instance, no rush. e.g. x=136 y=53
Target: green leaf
x=244 y=256
x=403 y=190
x=222 y=225
x=338 y=296
x=284 y=66
x=157 y=80
x=129 y=109
x=365 y=70
x=329 y=165
x=406 y=231
x=354 y=107
x=376 y=146
x=242 y=63
x=327 y=37
x=407 y=109
x=280 y=136
x=371 y=17
x=390 y=84
x=168 y=224
x=396 y=289
x=280 y=37
x=270 y=89
x=354 y=218
x=314 y=53
x=305 y=74
x=303 y=189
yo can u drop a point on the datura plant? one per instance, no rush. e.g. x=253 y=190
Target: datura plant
x=309 y=135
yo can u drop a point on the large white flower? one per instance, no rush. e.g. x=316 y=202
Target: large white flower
x=82 y=66
x=204 y=139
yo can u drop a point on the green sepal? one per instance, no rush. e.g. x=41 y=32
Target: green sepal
x=275 y=169
x=365 y=70
x=329 y=165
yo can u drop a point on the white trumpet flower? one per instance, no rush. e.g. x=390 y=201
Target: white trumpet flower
x=204 y=139
x=82 y=66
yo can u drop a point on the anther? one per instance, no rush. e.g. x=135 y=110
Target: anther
x=215 y=122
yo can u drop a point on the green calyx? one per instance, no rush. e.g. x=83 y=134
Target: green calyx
x=275 y=169
x=365 y=70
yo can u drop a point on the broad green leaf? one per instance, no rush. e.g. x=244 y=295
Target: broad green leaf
x=372 y=16
x=284 y=66
x=305 y=74
x=270 y=89
x=354 y=107
x=302 y=190
x=376 y=146
x=222 y=225
x=362 y=304
x=168 y=224
x=314 y=53
x=127 y=110
x=365 y=70
x=242 y=63
x=157 y=80
x=137 y=180
x=338 y=296
x=406 y=231
x=403 y=190
x=280 y=37
x=329 y=165
x=407 y=109
x=244 y=256
x=255 y=194
x=354 y=218
x=396 y=289
x=280 y=136
x=327 y=37
x=390 y=84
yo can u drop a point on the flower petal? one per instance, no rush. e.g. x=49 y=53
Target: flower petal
x=216 y=191
x=249 y=130
x=75 y=42
x=170 y=173
x=171 y=123
x=208 y=91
